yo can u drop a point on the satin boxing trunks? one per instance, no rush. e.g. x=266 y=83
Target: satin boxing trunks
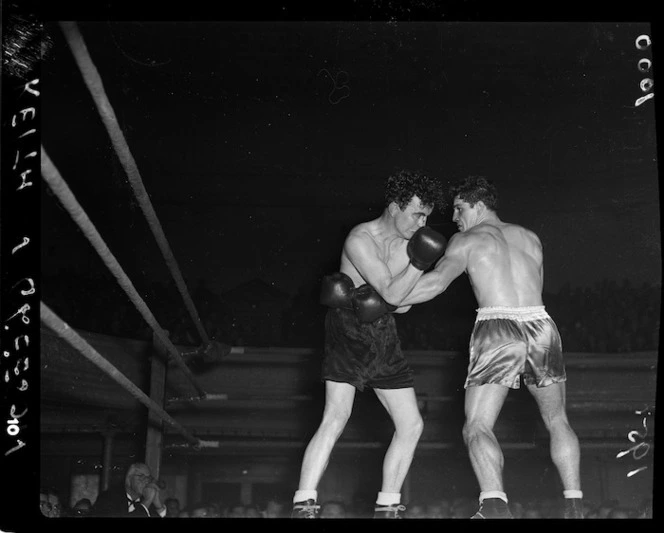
x=364 y=354
x=509 y=342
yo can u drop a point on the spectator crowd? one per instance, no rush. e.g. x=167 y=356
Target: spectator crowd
x=441 y=508
x=607 y=317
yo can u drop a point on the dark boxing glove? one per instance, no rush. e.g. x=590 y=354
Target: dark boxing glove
x=425 y=247
x=337 y=291
x=369 y=305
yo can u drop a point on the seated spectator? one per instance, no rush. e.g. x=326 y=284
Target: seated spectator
x=138 y=497
x=549 y=507
x=605 y=508
x=517 y=508
x=332 y=509
x=235 y=510
x=362 y=506
x=531 y=512
x=199 y=510
x=438 y=510
x=214 y=510
x=275 y=507
x=463 y=507
x=644 y=509
x=589 y=507
x=416 y=510
x=620 y=512
x=49 y=503
x=44 y=505
x=252 y=511
x=81 y=508
x=172 y=507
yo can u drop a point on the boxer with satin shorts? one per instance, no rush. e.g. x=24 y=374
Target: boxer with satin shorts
x=513 y=336
x=509 y=342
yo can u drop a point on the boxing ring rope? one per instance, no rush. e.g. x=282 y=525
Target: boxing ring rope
x=61 y=328
x=95 y=85
x=68 y=200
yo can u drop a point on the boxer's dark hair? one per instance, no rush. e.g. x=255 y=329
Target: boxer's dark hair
x=474 y=189
x=404 y=184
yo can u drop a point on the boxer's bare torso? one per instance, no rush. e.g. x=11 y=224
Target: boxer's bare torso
x=388 y=249
x=504 y=262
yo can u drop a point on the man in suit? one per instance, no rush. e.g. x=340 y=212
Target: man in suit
x=139 y=498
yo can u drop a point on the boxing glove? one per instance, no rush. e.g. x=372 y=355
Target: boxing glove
x=425 y=247
x=369 y=305
x=337 y=291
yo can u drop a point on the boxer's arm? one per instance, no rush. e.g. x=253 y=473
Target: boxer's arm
x=362 y=251
x=449 y=267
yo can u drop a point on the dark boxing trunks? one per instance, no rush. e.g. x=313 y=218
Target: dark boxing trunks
x=509 y=342
x=364 y=354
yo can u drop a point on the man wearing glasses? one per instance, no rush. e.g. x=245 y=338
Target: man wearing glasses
x=139 y=498
x=49 y=503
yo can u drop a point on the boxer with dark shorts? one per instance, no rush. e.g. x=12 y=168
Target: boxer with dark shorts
x=364 y=354
x=513 y=339
x=381 y=261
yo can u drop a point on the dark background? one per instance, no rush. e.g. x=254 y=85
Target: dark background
x=257 y=167
x=262 y=143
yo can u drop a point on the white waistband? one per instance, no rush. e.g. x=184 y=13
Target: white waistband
x=533 y=312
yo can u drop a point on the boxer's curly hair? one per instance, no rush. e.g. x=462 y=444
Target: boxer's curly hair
x=404 y=184
x=475 y=188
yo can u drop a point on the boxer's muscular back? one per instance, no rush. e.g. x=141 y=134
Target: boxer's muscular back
x=505 y=265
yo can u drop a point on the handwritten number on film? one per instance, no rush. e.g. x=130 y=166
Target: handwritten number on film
x=640 y=449
x=24 y=125
x=644 y=65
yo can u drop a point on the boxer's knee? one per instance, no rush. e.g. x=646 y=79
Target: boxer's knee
x=418 y=427
x=472 y=429
x=335 y=420
x=411 y=429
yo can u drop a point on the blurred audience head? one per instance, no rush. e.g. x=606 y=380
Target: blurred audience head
x=199 y=510
x=620 y=512
x=236 y=510
x=252 y=511
x=332 y=509
x=416 y=510
x=49 y=503
x=605 y=508
x=81 y=507
x=214 y=510
x=172 y=507
x=438 y=509
x=275 y=507
x=645 y=509
x=517 y=508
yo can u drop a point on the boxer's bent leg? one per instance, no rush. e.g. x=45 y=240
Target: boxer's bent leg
x=401 y=405
x=564 y=444
x=483 y=404
x=339 y=399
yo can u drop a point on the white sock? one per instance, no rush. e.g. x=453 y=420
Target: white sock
x=573 y=494
x=388 y=498
x=304 y=495
x=493 y=494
